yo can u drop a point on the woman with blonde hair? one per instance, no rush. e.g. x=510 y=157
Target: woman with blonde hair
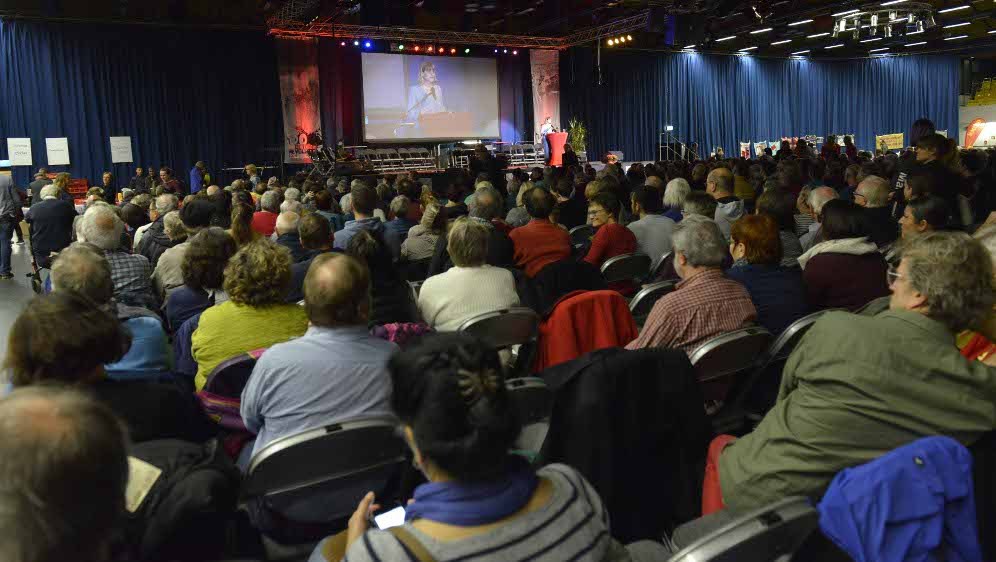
x=422 y=237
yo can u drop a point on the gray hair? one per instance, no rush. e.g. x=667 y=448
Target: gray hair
x=173 y=226
x=513 y=186
x=83 y=268
x=700 y=241
x=102 y=227
x=270 y=201
x=288 y=221
x=292 y=194
x=49 y=191
x=64 y=468
x=819 y=197
x=467 y=243
x=486 y=204
x=346 y=203
x=955 y=274
x=399 y=206
x=166 y=203
x=291 y=206
x=675 y=193
x=987 y=237
x=700 y=203
x=483 y=184
x=875 y=190
x=356 y=183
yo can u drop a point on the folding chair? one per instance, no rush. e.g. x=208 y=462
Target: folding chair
x=772 y=533
x=503 y=329
x=532 y=402
x=730 y=353
x=529 y=154
x=663 y=264
x=581 y=234
x=644 y=301
x=231 y=375
x=626 y=267
x=317 y=477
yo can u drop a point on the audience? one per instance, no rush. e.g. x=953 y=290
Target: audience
x=64 y=468
x=130 y=273
x=699 y=203
x=203 y=269
x=846 y=270
x=570 y=209
x=254 y=316
x=777 y=292
x=400 y=224
x=167 y=276
x=51 y=225
x=316 y=239
x=457 y=419
x=780 y=205
x=421 y=241
x=264 y=222
x=858 y=386
x=719 y=185
x=674 y=198
x=519 y=216
x=89 y=338
x=540 y=242
x=335 y=371
x=392 y=300
x=288 y=236
x=469 y=288
x=611 y=238
x=923 y=214
x=873 y=194
x=653 y=230
x=817 y=198
x=151 y=240
x=364 y=201
x=705 y=303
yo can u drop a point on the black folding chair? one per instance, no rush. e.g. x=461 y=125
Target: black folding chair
x=532 y=401
x=504 y=329
x=626 y=267
x=644 y=301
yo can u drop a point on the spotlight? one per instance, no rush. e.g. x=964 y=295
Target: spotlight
x=429 y=48
x=452 y=51
x=343 y=44
x=466 y=51
x=401 y=47
x=629 y=37
x=356 y=43
x=505 y=51
x=515 y=52
x=609 y=42
x=367 y=44
x=496 y=50
x=417 y=48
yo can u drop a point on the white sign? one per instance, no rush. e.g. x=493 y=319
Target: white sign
x=58 y=151
x=19 y=152
x=121 y=150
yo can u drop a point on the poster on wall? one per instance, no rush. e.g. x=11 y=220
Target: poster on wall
x=977 y=126
x=58 y=151
x=745 y=150
x=759 y=148
x=121 y=150
x=19 y=152
x=297 y=66
x=894 y=141
x=545 y=67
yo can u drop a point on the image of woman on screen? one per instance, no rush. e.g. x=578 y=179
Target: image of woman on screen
x=426 y=96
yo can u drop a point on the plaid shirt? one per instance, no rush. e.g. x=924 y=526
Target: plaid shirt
x=131 y=274
x=705 y=305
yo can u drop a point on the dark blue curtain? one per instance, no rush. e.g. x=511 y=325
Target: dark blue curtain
x=182 y=95
x=723 y=100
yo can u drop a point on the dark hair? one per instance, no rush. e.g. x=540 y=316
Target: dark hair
x=921 y=128
x=607 y=201
x=315 y=231
x=134 y=216
x=842 y=219
x=208 y=252
x=930 y=208
x=564 y=187
x=364 y=199
x=759 y=235
x=649 y=199
x=369 y=247
x=941 y=145
x=450 y=389
x=197 y=213
x=779 y=205
x=339 y=299
x=242 y=232
x=86 y=337
x=539 y=203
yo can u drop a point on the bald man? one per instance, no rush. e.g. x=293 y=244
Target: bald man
x=729 y=207
x=335 y=371
x=873 y=194
x=64 y=468
x=289 y=237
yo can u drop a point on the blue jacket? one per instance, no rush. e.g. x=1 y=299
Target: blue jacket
x=374 y=225
x=196 y=180
x=149 y=355
x=905 y=505
x=777 y=293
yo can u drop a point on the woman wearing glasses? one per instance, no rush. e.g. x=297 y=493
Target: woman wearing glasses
x=611 y=238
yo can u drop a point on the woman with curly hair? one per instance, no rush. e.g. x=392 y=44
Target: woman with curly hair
x=203 y=269
x=257 y=278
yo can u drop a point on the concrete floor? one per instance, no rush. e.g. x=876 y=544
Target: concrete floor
x=15 y=293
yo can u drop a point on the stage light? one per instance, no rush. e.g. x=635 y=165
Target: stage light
x=401 y=47
x=879 y=50
x=496 y=50
x=955 y=37
x=466 y=51
x=687 y=47
x=342 y=44
x=793 y=24
x=505 y=51
x=915 y=44
x=993 y=31
x=844 y=13
x=726 y=38
x=609 y=42
x=515 y=52
x=834 y=46
x=782 y=42
x=962 y=24
x=801 y=52
x=955 y=9
x=367 y=44
x=748 y=48
x=870 y=40
x=452 y=50
x=417 y=48
x=356 y=43
x=629 y=37
x=891 y=2
x=815 y=35
x=756 y=31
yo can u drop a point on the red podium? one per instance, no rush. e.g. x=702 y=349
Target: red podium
x=556 y=142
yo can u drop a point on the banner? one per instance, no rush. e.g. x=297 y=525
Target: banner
x=58 y=151
x=745 y=150
x=19 y=152
x=297 y=62
x=977 y=125
x=759 y=148
x=894 y=141
x=545 y=66
x=121 y=150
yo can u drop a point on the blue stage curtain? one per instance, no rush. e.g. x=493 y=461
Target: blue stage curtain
x=723 y=100
x=182 y=95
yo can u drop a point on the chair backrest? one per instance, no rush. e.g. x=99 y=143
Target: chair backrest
x=532 y=401
x=662 y=264
x=231 y=375
x=645 y=300
x=626 y=267
x=768 y=534
x=787 y=340
x=338 y=463
x=730 y=353
x=504 y=328
x=581 y=234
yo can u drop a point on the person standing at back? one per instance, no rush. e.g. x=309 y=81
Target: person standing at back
x=51 y=224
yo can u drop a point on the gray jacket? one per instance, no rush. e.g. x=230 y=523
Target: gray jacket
x=10 y=201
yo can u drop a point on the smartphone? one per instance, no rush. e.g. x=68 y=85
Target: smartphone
x=392 y=518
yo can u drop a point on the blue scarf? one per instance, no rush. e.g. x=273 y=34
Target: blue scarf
x=468 y=504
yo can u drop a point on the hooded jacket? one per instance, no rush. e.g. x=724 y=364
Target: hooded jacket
x=728 y=210
x=845 y=273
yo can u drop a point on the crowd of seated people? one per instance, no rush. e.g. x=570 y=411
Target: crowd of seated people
x=310 y=271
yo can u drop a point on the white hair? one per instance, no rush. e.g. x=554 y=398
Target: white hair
x=346 y=203
x=165 y=203
x=675 y=193
x=291 y=206
x=288 y=222
x=820 y=196
x=173 y=226
x=268 y=201
x=700 y=241
x=49 y=191
x=292 y=194
x=102 y=227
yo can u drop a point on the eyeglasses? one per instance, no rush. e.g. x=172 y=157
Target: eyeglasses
x=594 y=213
x=892 y=275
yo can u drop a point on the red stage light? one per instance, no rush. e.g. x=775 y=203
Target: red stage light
x=342 y=44
x=416 y=48
x=429 y=48
x=452 y=51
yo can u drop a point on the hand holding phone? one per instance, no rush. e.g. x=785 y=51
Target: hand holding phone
x=392 y=518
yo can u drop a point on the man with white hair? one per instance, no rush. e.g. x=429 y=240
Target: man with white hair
x=291 y=206
x=51 y=224
x=706 y=303
x=873 y=194
x=292 y=194
x=818 y=197
x=131 y=273
x=288 y=236
x=157 y=210
x=400 y=224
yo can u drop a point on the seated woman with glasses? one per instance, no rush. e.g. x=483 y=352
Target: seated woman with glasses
x=480 y=501
x=611 y=238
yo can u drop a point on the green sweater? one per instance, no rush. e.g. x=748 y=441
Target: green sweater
x=855 y=388
x=227 y=329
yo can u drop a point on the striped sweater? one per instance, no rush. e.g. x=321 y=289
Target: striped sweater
x=573 y=525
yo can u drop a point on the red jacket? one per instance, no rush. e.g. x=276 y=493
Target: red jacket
x=538 y=244
x=584 y=321
x=264 y=222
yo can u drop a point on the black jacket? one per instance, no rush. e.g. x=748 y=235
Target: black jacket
x=154 y=242
x=292 y=241
x=500 y=252
x=153 y=411
x=883 y=230
x=556 y=280
x=51 y=225
x=633 y=423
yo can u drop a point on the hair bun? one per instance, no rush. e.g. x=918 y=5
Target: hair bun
x=475 y=385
